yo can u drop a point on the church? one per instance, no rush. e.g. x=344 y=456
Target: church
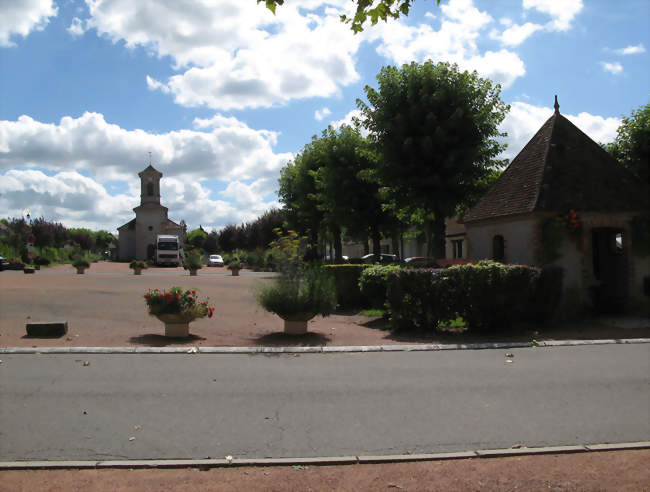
x=137 y=238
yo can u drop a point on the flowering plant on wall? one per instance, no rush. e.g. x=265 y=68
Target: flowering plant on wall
x=572 y=221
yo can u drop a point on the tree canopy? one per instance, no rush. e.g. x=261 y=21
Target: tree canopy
x=436 y=129
x=631 y=146
x=375 y=10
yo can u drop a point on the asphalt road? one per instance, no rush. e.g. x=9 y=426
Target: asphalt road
x=167 y=406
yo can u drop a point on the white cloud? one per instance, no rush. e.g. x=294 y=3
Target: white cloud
x=234 y=54
x=517 y=34
x=631 y=50
x=524 y=119
x=562 y=12
x=22 y=17
x=77 y=28
x=227 y=151
x=462 y=24
x=615 y=67
x=319 y=114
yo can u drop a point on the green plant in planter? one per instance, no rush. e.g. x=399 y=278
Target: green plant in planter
x=138 y=265
x=193 y=262
x=299 y=292
x=235 y=262
x=80 y=263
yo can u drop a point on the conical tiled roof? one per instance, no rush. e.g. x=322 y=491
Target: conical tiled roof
x=561 y=168
x=149 y=169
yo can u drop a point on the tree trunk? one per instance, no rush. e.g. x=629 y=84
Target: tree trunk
x=366 y=246
x=338 y=247
x=436 y=237
x=376 y=243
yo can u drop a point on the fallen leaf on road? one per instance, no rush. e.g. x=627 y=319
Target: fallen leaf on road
x=229 y=459
x=86 y=363
x=193 y=350
x=137 y=427
x=509 y=361
x=299 y=467
x=516 y=446
x=131 y=438
x=509 y=355
x=393 y=486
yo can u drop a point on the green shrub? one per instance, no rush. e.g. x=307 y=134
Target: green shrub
x=39 y=260
x=80 y=262
x=418 y=300
x=346 y=281
x=487 y=295
x=299 y=298
x=372 y=283
x=193 y=261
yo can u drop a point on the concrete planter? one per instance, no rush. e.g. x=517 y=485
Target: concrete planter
x=176 y=326
x=28 y=270
x=81 y=270
x=235 y=272
x=137 y=271
x=297 y=324
x=193 y=273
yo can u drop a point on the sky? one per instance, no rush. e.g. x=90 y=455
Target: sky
x=219 y=95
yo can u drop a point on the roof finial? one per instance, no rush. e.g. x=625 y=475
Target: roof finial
x=556 y=106
x=150 y=151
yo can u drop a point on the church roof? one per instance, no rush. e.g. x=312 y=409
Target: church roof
x=559 y=169
x=130 y=225
x=149 y=170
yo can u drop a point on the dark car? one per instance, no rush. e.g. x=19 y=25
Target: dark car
x=421 y=262
x=383 y=258
x=4 y=263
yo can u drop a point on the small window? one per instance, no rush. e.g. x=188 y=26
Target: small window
x=150 y=189
x=498 y=249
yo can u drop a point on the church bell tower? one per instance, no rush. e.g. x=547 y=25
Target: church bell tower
x=150 y=185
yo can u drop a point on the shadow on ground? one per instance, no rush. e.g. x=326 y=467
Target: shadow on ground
x=280 y=339
x=154 y=340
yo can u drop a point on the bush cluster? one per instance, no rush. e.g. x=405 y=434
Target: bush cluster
x=373 y=281
x=346 y=281
x=487 y=295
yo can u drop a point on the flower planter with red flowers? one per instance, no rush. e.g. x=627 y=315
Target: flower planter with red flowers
x=137 y=266
x=177 y=308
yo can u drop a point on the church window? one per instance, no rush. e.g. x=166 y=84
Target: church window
x=150 y=189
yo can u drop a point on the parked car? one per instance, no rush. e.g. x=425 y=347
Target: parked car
x=383 y=258
x=4 y=263
x=215 y=261
x=421 y=262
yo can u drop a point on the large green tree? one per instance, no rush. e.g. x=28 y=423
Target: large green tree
x=345 y=192
x=437 y=129
x=631 y=147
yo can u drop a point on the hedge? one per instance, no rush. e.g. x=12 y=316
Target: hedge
x=346 y=280
x=487 y=295
x=372 y=283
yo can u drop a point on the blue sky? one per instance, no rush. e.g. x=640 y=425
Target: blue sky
x=223 y=93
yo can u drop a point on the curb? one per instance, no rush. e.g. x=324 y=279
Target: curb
x=315 y=350
x=321 y=461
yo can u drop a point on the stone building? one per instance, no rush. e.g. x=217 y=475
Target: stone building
x=137 y=238
x=565 y=201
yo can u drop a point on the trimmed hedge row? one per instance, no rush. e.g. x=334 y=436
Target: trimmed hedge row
x=373 y=282
x=487 y=295
x=346 y=281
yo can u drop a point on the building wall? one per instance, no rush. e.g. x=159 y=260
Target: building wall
x=150 y=221
x=126 y=245
x=519 y=240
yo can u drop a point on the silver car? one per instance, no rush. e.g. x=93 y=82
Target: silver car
x=215 y=261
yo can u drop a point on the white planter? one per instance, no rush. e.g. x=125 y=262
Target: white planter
x=295 y=327
x=175 y=326
x=235 y=272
